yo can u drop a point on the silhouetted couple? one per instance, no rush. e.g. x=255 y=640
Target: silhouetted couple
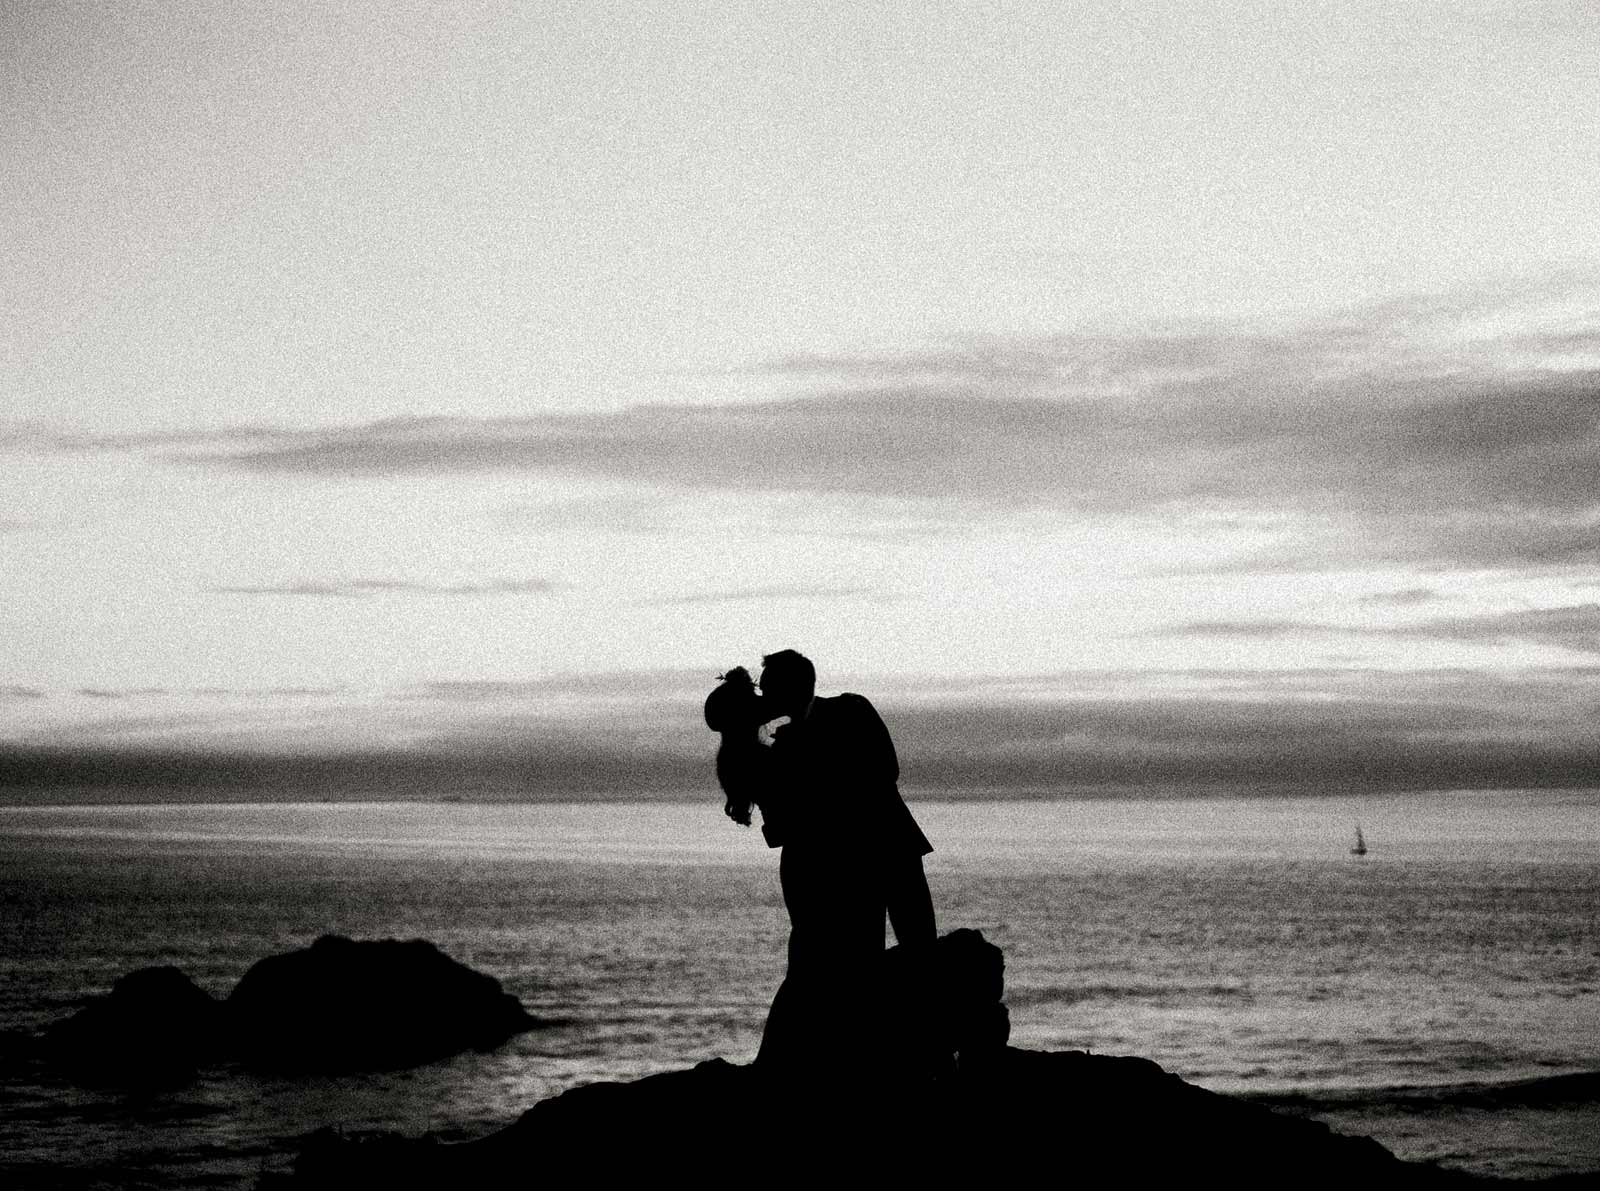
x=826 y=785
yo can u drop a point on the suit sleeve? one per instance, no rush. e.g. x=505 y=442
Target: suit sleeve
x=878 y=761
x=880 y=766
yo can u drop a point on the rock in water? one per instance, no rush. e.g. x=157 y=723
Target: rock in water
x=155 y=1027
x=342 y=1005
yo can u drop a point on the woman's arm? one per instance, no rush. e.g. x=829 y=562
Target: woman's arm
x=743 y=771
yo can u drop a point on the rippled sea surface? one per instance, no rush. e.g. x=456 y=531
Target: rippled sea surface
x=1441 y=993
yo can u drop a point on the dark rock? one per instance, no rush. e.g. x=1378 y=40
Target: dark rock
x=1088 y=1120
x=945 y=1000
x=155 y=1027
x=1099 y=1118
x=336 y=1006
x=342 y=1005
x=928 y=1002
x=1126 y=1117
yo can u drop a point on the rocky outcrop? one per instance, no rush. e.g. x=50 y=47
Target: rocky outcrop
x=339 y=1005
x=1069 y=1117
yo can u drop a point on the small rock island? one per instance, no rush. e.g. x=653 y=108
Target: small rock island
x=336 y=1006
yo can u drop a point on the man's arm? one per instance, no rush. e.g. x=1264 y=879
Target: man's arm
x=872 y=757
x=906 y=885
x=910 y=903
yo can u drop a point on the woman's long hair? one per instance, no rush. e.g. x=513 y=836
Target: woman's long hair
x=738 y=774
x=733 y=709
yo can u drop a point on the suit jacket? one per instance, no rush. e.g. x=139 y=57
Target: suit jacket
x=835 y=776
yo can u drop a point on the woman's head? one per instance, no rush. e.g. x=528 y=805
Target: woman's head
x=734 y=705
x=734 y=709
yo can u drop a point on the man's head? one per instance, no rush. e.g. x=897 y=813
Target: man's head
x=788 y=681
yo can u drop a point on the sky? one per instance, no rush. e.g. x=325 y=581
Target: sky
x=406 y=399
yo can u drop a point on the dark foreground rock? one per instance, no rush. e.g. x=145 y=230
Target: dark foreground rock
x=337 y=1006
x=1070 y=1118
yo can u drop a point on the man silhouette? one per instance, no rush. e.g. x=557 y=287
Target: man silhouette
x=851 y=853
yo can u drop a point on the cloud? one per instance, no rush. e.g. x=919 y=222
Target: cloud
x=708 y=513
x=790 y=592
x=1404 y=598
x=1239 y=731
x=1574 y=627
x=9 y=691
x=1186 y=745
x=1259 y=630
x=1399 y=435
x=364 y=588
x=601 y=689
x=257 y=693
x=1455 y=431
x=641 y=735
x=38 y=436
x=1488 y=470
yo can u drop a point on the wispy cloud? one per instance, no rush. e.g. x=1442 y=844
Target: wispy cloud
x=1461 y=431
x=776 y=514
x=36 y=435
x=1265 y=629
x=1486 y=471
x=799 y=591
x=1575 y=627
x=365 y=588
x=599 y=689
x=264 y=693
x=1404 y=598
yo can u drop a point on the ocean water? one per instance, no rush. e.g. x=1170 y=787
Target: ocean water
x=1441 y=993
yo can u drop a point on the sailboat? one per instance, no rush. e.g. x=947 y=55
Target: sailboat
x=1361 y=844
